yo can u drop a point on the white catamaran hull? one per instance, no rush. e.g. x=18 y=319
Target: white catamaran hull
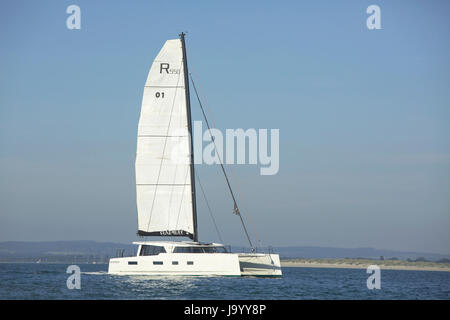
x=199 y=264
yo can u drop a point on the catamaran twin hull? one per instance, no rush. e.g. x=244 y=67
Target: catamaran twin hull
x=169 y=259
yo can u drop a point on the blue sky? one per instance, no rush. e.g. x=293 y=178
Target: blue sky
x=363 y=115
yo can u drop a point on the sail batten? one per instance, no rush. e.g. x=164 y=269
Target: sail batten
x=163 y=181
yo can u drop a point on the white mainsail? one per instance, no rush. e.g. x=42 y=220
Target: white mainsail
x=163 y=180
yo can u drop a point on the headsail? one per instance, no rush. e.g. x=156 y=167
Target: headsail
x=163 y=176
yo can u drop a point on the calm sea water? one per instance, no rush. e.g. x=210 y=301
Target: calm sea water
x=48 y=281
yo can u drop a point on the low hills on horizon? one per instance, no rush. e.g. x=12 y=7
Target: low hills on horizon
x=87 y=251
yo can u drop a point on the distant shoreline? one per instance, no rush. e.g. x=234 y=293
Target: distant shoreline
x=363 y=264
x=314 y=263
x=296 y=263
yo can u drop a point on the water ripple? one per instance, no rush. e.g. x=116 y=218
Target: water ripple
x=48 y=281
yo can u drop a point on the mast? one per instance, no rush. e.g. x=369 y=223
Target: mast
x=189 y=122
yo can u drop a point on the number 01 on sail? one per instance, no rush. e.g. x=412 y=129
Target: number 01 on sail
x=165 y=185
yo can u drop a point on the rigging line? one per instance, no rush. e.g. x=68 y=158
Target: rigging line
x=180 y=122
x=235 y=209
x=209 y=208
x=173 y=183
x=182 y=196
x=239 y=193
x=171 y=195
x=252 y=223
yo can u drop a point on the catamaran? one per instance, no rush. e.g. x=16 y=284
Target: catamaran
x=165 y=185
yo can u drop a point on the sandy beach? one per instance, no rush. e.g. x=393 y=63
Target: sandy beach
x=363 y=264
